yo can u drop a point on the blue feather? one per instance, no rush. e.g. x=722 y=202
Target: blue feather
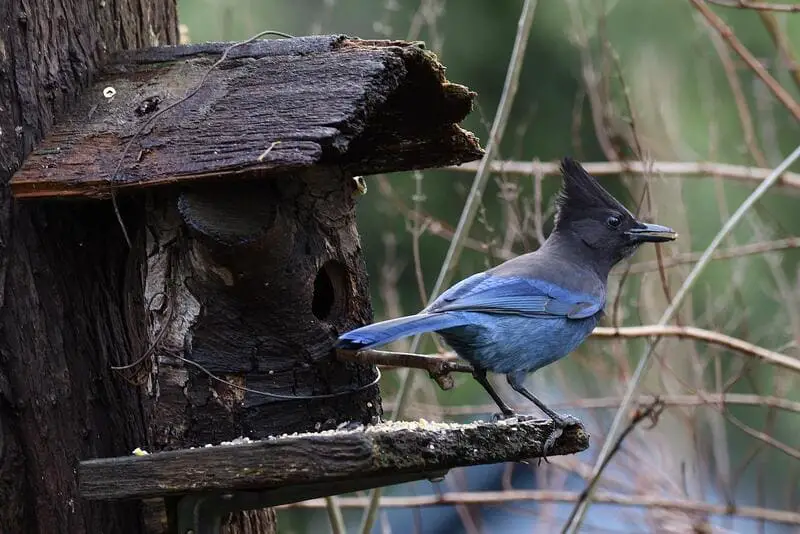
x=516 y=296
x=387 y=331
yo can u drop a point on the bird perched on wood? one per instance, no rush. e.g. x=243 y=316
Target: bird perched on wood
x=536 y=308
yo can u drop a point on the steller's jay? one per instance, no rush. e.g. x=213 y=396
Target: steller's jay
x=534 y=309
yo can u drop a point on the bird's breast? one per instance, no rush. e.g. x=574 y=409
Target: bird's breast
x=509 y=343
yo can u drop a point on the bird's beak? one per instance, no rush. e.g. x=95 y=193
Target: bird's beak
x=652 y=233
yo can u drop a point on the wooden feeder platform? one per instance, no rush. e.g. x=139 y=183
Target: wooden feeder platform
x=213 y=481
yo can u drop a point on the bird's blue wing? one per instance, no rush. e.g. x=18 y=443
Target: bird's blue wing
x=515 y=295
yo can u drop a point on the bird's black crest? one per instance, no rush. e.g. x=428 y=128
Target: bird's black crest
x=581 y=191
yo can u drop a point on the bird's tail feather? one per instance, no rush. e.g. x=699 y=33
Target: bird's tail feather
x=387 y=331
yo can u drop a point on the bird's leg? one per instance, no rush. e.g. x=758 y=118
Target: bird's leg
x=560 y=422
x=480 y=376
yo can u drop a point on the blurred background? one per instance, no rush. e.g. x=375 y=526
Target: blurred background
x=602 y=80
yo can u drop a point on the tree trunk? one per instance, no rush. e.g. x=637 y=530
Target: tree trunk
x=70 y=289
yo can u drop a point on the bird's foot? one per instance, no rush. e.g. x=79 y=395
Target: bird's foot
x=559 y=424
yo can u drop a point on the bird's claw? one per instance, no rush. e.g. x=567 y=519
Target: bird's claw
x=565 y=421
x=559 y=424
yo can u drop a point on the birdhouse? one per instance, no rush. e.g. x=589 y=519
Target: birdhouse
x=233 y=172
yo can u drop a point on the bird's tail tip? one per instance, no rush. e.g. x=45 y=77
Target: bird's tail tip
x=346 y=342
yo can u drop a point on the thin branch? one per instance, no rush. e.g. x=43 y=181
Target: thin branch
x=724 y=170
x=762 y=436
x=502 y=497
x=440 y=229
x=782 y=43
x=727 y=34
x=742 y=108
x=644 y=361
x=699 y=334
x=723 y=254
x=759 y=6
x=650 y=412
x=335 y=515
x=438 y=368
x=598 y=403
x=468 y=212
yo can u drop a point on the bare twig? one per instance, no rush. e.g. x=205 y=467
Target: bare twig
x=335 y=515
x=734 y=172
x=440 y=229
x=759 y=6
x=650 y=412
x=766 y=438
x=723 y=254
x=727 y=34
x=742 y=107
x=706 y=399
x=499 y=497
x=468 y=212
x=438 y=368
x=644 y=362
x=782 y=43
x=709 y=336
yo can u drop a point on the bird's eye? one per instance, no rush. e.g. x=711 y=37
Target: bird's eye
x=613 y=221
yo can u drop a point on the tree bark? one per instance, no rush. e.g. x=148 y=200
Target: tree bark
x=70 y=289
x=252 y=282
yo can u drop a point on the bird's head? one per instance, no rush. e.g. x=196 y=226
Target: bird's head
x=600 y=221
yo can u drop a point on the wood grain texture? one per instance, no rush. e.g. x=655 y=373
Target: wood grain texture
x=335 y=458
x=362 y=106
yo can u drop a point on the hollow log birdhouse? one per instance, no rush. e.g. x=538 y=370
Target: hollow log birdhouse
x=233 y=173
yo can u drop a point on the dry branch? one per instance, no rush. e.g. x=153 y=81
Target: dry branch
x=759 y=6
x=730 y=37
x=503 y=497
x=721 y=254
x=700 y=334
x=701 y=399
x=724 y=170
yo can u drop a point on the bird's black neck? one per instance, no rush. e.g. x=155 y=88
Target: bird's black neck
x=567 y=245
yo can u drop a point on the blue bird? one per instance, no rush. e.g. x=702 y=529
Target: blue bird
x=534 y=309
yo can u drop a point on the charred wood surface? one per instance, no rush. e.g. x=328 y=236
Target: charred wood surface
x=274 y=105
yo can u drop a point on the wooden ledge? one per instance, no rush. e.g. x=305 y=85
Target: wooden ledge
x=272 y=107
x=303 y=466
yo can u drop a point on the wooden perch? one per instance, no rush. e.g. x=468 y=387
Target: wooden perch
x=438 y=367
x=303 y=466
x=364 y=107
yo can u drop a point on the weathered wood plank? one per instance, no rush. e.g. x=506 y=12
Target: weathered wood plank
x=363 y=106
x=380 y=453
